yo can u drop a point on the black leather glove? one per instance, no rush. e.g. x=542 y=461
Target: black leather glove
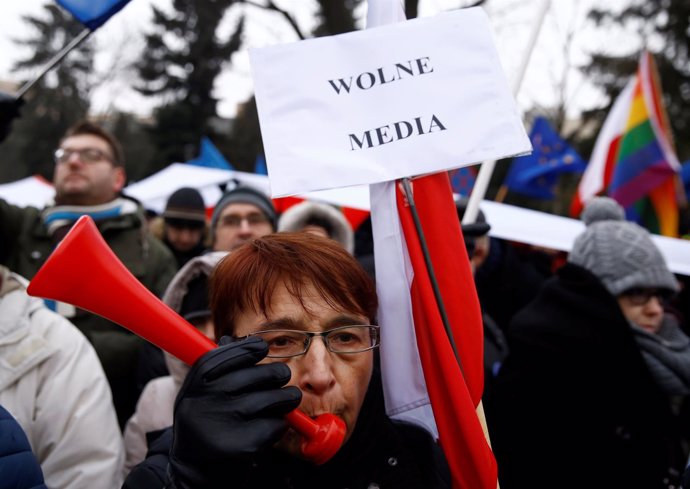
x=9 y=110
x=228 y=409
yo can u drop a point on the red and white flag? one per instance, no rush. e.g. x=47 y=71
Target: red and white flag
x=423 y=379
x=634 y=160
x=598 y=172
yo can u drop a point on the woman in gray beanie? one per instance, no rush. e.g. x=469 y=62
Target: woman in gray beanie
x=587 y=396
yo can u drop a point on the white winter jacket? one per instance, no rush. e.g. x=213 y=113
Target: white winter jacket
x=52 y=382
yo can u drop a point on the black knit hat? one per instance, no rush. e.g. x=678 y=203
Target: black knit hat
x=185 y=207
x=195 y=301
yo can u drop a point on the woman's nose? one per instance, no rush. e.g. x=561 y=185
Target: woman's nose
x=316 y=368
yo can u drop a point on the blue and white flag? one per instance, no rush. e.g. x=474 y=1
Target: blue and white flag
x=92 y=13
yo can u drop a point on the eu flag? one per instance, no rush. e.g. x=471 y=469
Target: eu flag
x=92 y=13
x=210 y=157
x=536 y=175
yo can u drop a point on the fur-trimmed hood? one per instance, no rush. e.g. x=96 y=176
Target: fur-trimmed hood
x=176 y=291
x=297 y=216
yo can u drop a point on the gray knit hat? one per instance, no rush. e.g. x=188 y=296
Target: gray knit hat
x=244 y=195
x=621 y=253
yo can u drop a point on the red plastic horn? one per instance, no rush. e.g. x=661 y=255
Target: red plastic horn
x=83 y=259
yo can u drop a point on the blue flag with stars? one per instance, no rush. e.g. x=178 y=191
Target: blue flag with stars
x=536 y=175
x=92 y=13
x=210 y=156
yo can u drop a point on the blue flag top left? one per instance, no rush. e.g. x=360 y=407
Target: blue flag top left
x=210 y=156
x=92 y=13
x=536 y=174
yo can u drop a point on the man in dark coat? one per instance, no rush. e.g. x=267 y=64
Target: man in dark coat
x=88 y=179
x=576 y=404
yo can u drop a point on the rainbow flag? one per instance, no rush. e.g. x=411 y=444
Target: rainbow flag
x=633 y=160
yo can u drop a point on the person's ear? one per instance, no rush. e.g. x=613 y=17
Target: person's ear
x=119 y=178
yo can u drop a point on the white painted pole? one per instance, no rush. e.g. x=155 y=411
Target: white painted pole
x=487 y=168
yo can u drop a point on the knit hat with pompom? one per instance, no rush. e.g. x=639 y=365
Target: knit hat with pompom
x=619 y=252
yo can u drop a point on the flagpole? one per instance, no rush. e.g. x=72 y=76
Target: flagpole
x=54 y=61
x=487 y=168
x=430 y=268
x=502 y=192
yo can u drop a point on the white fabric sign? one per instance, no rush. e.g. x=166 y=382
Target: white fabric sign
x=403 y=99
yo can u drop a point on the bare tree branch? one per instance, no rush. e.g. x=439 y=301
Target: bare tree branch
x=270 y=5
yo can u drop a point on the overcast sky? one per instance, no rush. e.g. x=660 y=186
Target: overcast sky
x=512 y=20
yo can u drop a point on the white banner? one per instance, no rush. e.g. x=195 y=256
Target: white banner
x=404 y=99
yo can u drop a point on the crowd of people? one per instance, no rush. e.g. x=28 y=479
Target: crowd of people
x=586 y=354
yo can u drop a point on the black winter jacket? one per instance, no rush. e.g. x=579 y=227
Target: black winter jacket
x=574 y=404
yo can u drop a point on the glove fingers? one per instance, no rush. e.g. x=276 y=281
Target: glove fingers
x=227 y=358
x=247 y=438
x=267 y=404
x=247 y=422
x=260 y=434
x=255 y=378
x=218 y=411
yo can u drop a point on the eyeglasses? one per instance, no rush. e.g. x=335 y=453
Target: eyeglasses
x=286 y=343
x=640 y=296
x=235 y=221
x=87 y=155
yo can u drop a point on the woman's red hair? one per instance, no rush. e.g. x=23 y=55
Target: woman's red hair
x=246 y=279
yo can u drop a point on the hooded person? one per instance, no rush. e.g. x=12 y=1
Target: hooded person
x=187 y=295
x=321 y=219
x=240 y=215
x=583 y=387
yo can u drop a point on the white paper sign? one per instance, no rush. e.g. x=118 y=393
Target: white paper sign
x=404 y=99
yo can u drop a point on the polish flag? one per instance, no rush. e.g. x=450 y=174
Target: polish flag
x=424 y=382
x=423 y=379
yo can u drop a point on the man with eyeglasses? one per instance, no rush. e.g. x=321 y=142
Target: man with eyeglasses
x=241 y=214
x=88 y=178
x=294 y=315
x=597 y=381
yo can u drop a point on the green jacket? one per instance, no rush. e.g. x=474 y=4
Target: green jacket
x=25 y=245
